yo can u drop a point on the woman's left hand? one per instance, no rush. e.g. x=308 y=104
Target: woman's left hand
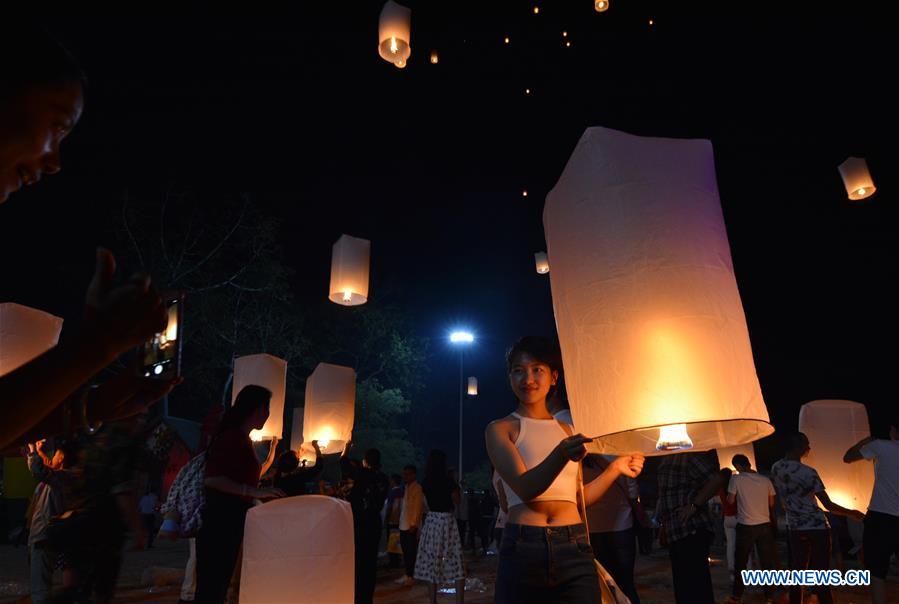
x=629 y=465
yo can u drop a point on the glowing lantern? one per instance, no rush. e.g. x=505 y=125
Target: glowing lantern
x=306 y=455
x=434 y=58
x=25 y=334
x=330 y=407
x=472 y=386
x=542 y=262
x=653 y=335
x=857 y=179
x=726 y=456
x=832 y=426
x=298 y=549
x=394 y=33
x=602 y=6
x=349 y=271
x=269 y=372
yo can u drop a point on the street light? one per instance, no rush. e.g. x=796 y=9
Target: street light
x=461 y=337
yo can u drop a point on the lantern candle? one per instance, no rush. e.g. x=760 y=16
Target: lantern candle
x=472 y=386
x=269 y=372
x=394 y=33
x=542 y=262
x=349 y=271
x=25 y=334
x=857 y=179
x=330 y=407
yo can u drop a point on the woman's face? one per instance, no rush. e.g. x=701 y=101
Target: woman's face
x=531 y=379
x=32 y=126
x=261 y=416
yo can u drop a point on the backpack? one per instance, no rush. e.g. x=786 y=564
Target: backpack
x=183 y=506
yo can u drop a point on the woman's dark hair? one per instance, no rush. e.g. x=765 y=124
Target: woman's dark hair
x=540 y=348
x=248 y=400
x=29 y=56
x=287 y=462
x=435 y=467
x=373 y=457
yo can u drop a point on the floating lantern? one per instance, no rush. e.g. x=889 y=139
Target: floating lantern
x=330 y=407
x=857 y=179
x=298 y=549
x=601 y=6
x=506 y=39
x=542 y=262
x=349 y=271
x=832 y=426
x=472 y=386
x=434 y=58
x=25 y=334
x=653 y=336
x=536 y=10
x=726 y=456
x=269 y=372
x=394 y=33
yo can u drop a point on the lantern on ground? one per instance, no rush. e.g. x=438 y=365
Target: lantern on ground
x=349 y=271
x=269 y=372
x=654 y=341
x=330 y=407
x=542 y=262
x=394 y=33
x=857 y=179
x=25 y=334
x=472 y=386
x=601 y=6
x=298 y=549
x=726 y=456
x=832 y=426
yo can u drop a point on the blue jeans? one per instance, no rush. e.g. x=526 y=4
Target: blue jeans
x=543 y=564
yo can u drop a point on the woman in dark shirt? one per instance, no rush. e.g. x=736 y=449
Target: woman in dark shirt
x=232 y=478
x=439 y=557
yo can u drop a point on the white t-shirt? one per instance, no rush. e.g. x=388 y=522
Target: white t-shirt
x=885 y=453
x=752 y=491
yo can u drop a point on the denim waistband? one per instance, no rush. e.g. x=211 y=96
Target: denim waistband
x=526 y=532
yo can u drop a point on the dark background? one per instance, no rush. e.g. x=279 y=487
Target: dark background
x=430 y=162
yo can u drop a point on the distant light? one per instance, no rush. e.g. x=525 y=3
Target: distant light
x=601 y=5
x=506 y=39
x=459 y=337
x=527 y=91
x=524 y=193
x=564 y=34
x=536 y=10
x=650 y=21
x=157 y=369
x=434 y=58
x=567 y=44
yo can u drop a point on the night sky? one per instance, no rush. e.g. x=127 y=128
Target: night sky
x=430 y=163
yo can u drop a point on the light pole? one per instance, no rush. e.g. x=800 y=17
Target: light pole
x=460 y=338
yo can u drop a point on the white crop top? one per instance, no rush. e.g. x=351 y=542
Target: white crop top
x=536 y=440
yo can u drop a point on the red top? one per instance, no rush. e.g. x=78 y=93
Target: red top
x=730 y=509
x=232 y=455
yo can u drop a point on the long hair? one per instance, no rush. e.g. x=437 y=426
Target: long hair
x=546 y=351
x=435 y=467
x=248 y=401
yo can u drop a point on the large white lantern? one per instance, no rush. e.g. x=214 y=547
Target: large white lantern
x=832 y=426
x=269 y=372
x=394 y=33
x=601 y=6
x=349 y=271
x=542 y=262
x=726 y=456
x=298 y=550
x=25 y=334
x=330 y=407
x=856 y=178
x=472 y=386
x=654 y=341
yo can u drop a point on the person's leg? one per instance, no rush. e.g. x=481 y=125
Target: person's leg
x=767 y=550
x=690 y=568
x=745 y=541
x=573 y=577
x=626 y=548
x=41 y=575
x=149 y=528
x=819 y=559
x=799 y=553
x=218 y=546
x=730 y=537
x=189 y=585
x=878 y=547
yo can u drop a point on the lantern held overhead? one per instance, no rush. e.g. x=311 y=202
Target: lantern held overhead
x=650 y=322
x=330 y=407
x=394 y=33
x=832 y=426
x=269 y=372
x=857 y=179
x=349 y=271
x=25 y=334
x=472 y=386
x=542 y=262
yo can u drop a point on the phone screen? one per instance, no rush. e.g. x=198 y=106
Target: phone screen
x=160 y=356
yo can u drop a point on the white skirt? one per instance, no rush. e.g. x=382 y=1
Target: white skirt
x=439 y=557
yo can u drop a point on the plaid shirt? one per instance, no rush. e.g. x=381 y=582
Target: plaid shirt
x=681 y=476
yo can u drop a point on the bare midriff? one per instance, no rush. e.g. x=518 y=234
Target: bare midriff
x=544 y=513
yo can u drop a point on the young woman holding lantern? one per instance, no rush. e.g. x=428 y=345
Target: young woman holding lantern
x=545 y=554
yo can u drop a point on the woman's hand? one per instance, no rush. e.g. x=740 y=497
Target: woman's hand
x=572 y=448
x=270 y=493
x=629 y=465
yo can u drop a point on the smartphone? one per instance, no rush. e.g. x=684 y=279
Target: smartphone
x=160 y=356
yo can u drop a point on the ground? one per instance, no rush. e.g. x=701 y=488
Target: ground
x=653 y=577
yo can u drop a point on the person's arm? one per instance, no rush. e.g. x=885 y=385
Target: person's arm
x=223 y=484
x=625 y=465
x=270 y=458
x=731 y=491
x=835 y=508
x=772 y=516
x=854 y=453
x=528 y=484
x=711 y=486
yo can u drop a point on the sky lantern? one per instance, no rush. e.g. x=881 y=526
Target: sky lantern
x=269 y=372
x=856 y=178
x=394 y=33
x=349 y=271
x=832 y=426
x=601 y=6
x=472 y=386
x=726 y=455
x=25 y=334
x=330 y=407
x=298 y=549
x=542 y=262
x=654 y=341
x=435 y=58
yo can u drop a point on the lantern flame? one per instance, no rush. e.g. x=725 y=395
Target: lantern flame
x=347 y=296
x=601 y=5
x=861 y=191
x=323 y=444
x=393 y=46
x=674 y=438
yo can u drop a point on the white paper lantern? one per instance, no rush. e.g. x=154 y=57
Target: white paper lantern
x=601 y=6
x=349 y=271
x=542 y=262
x=856 y=178
x=472 y=386
x=306 y=455
x=298 y=550
x=394 y=33
x=832 y=426
x=25 y=334
x=330 y=407
x=654 y=340
x=269 y=372
x=726 y=456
